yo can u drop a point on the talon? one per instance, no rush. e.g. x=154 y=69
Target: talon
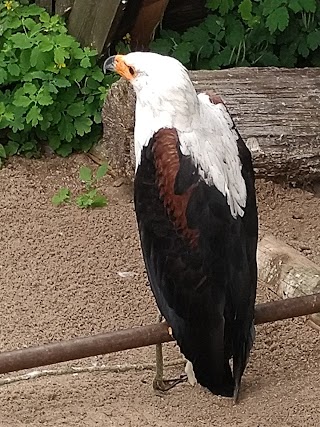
x=170 y=331
x=165 y=385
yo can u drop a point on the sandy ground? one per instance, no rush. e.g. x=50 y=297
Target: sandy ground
x=59 y=278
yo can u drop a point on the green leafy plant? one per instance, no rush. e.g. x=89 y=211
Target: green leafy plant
x=282 y=33
x=62 y=196
x=51 y=89
x=91 y=198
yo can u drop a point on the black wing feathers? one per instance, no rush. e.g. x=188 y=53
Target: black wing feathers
x=206 y=292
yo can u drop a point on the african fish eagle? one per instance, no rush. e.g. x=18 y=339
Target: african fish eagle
x=195 y=204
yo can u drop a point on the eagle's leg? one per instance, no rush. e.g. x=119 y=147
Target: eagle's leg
x=159 y=383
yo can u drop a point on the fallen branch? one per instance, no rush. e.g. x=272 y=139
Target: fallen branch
x=75 y=370
x=275 y=109
x=111 y=342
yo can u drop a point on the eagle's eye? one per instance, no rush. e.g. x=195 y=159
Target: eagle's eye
x=131 y=71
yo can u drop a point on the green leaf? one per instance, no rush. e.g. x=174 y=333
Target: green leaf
x=3 y=75
x=234 y=32
x=99 y=201
x=214 y=24
x=61 y=81
x=85 y=62
x=60 y=55
x=222 y=5
x=64 y=150
x=22 y=101
x=97 y=75
x=76 y=109
x=269 y=6
x=78 y=53
x=29 y=146
x=36 y=75
x=313 y=40
x=77 y=74
x=44 y=98
x=64 y=40
x=182 y=52
x=309 y=5
x=3 y=153
x=29 y=23
x=34 y=115
x=245 y=10
x=269 y=59
x=278 y=19
x=40 y=59
x=25 y=61
x=66 y=128
x=11 y=148
x=213 y=4
x=30 y=88
x=197 y=36
x=223 y=58
x=62 y=196
x=54 y=142
x=91 y=199
x=46 y=45
x=303 y=48
x=21 y=41
x=13 y=69
x=82 y=125
x=162 y=46
x=97 y=117
x=101 y=171
x=85 y=174
x=84 y=201
x=295 y=6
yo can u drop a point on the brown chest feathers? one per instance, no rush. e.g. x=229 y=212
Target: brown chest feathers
x=167 y=164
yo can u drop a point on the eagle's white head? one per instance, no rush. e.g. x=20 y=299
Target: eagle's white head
x=166 y=97
x=150 y=72
x=161 y=83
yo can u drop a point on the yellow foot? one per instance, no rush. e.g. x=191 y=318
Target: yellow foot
x=165 y=385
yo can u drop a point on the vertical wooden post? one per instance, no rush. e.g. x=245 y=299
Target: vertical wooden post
x=47 y=4
x=61 y=6
x=90 y=21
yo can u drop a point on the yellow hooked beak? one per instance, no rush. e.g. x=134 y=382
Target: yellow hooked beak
x=117 y=63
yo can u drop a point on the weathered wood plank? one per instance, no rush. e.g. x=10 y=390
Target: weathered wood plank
x=293 y=274
x=47 y=4
x=62 y=6
x=149 y=17
x=277 y=111
x=91 y=20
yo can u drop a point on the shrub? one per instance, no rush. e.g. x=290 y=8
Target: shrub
x=283 y=33
x=51 y=89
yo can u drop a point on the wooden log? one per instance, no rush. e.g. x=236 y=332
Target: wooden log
x=91 y=21
x=149 y=17
x=47 y=4
x=63 y=7
x=125 y=339
x=293 y=274
x=276 y=111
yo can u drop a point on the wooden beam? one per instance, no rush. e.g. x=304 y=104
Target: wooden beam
x=293 y=274
x=62 y=7
x=47 y=4
x=149 y=17
x=276 y=111
x=110 y=342
x=90 y=21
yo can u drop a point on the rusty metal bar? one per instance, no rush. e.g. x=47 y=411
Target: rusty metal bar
x=125 y=339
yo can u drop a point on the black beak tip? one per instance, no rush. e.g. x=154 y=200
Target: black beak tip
x=109 y=64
